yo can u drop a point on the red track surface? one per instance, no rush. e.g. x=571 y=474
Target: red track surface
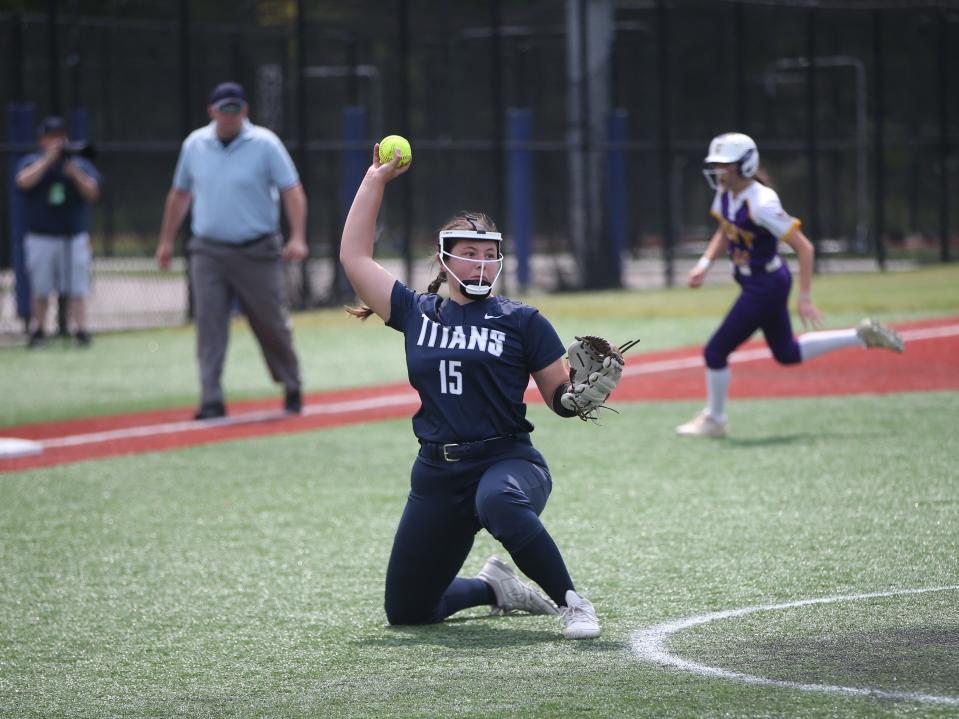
x=929 y=364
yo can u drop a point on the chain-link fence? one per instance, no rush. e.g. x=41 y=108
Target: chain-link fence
x=580 y=126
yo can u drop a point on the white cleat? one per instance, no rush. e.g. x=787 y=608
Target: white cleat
x=876 y=334
x=511 y=594
x=578 y=617
x=702 y=425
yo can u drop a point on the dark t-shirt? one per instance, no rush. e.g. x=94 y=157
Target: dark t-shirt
x=54 y=206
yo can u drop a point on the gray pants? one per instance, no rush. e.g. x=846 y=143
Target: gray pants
x=253 y=273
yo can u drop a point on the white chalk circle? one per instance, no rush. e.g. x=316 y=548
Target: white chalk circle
x=649 y=644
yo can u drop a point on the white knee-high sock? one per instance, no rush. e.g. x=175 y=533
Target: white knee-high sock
x=813 y=344
x=717 y=389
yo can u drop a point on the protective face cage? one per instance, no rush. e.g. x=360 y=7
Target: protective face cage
x=712 y=175
x=474 y=288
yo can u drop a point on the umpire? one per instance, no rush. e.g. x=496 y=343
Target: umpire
x=233 y=172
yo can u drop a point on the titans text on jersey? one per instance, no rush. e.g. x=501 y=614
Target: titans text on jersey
x=483 y=339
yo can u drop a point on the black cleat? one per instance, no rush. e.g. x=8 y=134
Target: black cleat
x=210 y=410
x=293 y=402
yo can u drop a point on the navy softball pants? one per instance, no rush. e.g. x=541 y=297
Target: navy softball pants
x=447 y=505
x=763 y=304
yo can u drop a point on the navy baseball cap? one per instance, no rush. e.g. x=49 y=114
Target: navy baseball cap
x=227 y=91
x=52 y=124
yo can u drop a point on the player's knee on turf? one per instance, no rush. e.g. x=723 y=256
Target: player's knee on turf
x=400 y=613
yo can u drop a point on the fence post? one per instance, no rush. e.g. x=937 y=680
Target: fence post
x=664 y=142
x=20 y=131
x=942 y=76
x=355 y=160
x=879 y=164
x=616 y=192
x=518 y=180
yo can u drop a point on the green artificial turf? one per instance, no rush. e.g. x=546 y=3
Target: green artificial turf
x=246 y=578
x=126 y=372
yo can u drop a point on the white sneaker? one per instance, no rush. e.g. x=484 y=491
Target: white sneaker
x=578 y=617
x=511 y=594
x=876 y=334
x=702 y=425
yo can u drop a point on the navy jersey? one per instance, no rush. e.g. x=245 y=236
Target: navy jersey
x=471 y=363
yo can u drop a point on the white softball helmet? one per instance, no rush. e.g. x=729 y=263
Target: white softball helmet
x=731 y=147
x=491 y=269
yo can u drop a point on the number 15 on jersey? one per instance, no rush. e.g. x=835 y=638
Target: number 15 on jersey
x=451 y=378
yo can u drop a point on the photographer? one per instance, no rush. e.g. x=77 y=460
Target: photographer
x=58 y=183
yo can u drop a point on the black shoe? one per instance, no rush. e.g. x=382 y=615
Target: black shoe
x=83 y=339
x=37 y=339
x=210 y=410
x=293 y=404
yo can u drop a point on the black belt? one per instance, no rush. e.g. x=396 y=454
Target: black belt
x=242 y=243
x=455 y=451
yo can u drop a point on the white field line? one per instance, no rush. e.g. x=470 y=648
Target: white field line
x=246 y=418
x=759 y=353
x=409 y=397
x=649 y=644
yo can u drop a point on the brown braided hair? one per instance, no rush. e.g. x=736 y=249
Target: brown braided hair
x=462 y=221
x=362 y=312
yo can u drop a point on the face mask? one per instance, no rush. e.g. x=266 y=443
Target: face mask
x=475 y=289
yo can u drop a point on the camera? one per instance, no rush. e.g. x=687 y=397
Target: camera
x=81 y=148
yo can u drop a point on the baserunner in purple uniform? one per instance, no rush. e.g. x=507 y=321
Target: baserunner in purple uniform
x=751 y=224
x=470 y=357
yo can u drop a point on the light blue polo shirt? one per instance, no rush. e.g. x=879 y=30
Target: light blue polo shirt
x=236 y=189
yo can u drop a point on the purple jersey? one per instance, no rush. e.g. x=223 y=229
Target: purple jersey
x=754 y=222
x=471 y=363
